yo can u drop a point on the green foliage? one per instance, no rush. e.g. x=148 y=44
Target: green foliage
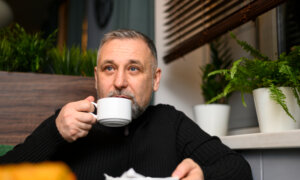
x=278 y=96
x=20 y=51
x=214 y=84
x=5 y=148
x=260 y=72
x=72 y=61
x=24 y=52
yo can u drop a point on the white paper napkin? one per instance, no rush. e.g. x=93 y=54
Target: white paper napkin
x=132 y=175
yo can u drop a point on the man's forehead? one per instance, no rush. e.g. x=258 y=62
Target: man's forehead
x=125 y=42
x=135 y=49
x=130 y=61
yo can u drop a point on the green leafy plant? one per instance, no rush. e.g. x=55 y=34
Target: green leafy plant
x=246 y=74
x=24 y=52
x=20 y=51
x=72 y=61
x=220 y=59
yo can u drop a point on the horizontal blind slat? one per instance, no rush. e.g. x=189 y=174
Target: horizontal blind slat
x=184 y=11
x=202 y=24
x=173 y=5
x=168 y=2
x=184 y=5
x=203 y=16
x=181 y=20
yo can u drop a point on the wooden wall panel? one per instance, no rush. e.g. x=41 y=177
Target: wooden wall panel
x=26 y=99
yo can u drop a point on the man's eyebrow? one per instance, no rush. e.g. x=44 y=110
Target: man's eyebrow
x=132 y=61
x=108 y=61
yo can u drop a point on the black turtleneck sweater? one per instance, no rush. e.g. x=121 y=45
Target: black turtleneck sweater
x=154 y=144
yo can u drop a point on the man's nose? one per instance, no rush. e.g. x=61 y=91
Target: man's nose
x=120 y=80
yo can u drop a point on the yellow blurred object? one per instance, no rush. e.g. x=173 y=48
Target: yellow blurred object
x=38 y=171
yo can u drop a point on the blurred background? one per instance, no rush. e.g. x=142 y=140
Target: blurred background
x=79 y=22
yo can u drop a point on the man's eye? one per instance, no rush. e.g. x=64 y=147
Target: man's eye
x=108 y=68
x=133 y=68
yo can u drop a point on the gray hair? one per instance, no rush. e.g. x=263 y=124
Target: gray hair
x=130 y=34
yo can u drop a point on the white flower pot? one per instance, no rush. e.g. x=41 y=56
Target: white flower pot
x=212 y=118
x=271 y=116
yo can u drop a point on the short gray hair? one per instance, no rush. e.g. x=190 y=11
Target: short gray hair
x=130 y=34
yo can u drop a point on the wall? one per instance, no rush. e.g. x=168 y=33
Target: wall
x=128 y=14
x=273 y=164
x=180 y=84
x=267 y=41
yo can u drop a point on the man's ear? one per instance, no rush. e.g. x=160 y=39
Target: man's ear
x=96 y=77
x=156 y=79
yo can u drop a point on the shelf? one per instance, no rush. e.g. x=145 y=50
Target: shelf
x=278 y=140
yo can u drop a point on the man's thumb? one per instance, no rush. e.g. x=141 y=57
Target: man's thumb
x=90 y=98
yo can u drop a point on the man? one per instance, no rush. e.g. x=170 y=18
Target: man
x=159 y=142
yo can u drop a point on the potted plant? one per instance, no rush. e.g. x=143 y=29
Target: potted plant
x=72 y=61
x=23 y=52
x=213 y=118
x=277 y=80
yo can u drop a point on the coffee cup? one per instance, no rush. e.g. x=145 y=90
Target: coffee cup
x=113 y=111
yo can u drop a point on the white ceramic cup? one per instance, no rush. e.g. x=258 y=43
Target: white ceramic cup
x=113 y=111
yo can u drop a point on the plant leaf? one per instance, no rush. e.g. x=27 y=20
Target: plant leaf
x=226 y=91
x=243 y=99
x=234 y=68
x=221 y=71
x=247 y=47
x=277 y=95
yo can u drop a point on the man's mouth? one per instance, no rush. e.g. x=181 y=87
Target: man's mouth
x=122 y=96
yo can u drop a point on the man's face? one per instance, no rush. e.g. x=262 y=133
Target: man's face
x=125 y=70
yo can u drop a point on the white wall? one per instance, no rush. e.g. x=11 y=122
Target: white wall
x=180 y=83
x=268 y=34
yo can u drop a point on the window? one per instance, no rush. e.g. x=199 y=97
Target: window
x=193 y=23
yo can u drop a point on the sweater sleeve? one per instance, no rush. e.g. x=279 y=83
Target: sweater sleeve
x=39 y=146
x=217 y=161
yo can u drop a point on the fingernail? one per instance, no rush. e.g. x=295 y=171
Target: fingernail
x=176 y=175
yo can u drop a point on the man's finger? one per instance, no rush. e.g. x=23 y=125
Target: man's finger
x=84 y=126
x=82 y=133
x=184 y=168
x=84 y=106
x=90 y=98
x=191 y=176
x=85 y=117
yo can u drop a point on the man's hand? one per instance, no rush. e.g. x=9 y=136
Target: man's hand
x=188 y=170
x=74 y=120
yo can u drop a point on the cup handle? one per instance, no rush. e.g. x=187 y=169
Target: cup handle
x=93 y=113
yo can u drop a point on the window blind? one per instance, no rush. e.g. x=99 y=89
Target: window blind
x=193 y=23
